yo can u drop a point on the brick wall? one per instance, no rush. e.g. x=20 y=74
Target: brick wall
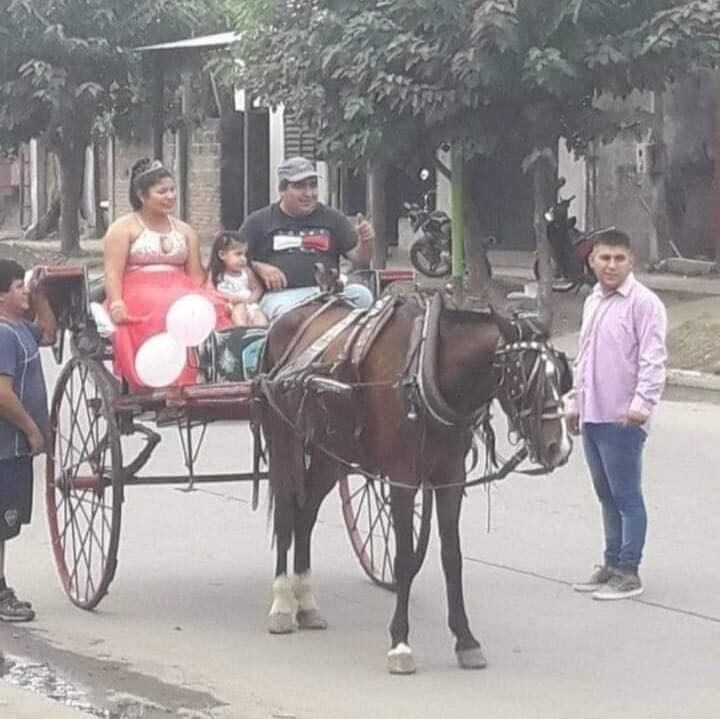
x=203 y=182
x=126 y=155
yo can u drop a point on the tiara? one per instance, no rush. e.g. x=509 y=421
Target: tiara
x=153 y=167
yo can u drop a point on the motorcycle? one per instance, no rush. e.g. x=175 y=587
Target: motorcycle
x=570 y=248
x=431 y=250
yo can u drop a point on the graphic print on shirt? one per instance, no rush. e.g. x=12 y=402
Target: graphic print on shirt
x=312 y=240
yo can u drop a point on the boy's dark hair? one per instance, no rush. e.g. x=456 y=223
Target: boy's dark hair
x=611 y=237
x=9 y=272
x=144 y=174
x=223 y=240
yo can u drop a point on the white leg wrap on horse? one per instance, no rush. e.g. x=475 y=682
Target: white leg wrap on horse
x=283 y=597
x=281 y=619
x=303 y=592
x=308 y=615
x=400 y=660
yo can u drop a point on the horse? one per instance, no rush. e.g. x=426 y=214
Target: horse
x=396 y=392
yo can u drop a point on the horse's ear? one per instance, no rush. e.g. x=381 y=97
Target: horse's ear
x=531 y=330
x=508 y=329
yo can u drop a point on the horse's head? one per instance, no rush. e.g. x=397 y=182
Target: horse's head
x=533 y=378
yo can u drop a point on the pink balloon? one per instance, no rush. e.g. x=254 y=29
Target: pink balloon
x=160 y=360
x=191 y=319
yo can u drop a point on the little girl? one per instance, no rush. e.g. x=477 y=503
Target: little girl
x=233 y=279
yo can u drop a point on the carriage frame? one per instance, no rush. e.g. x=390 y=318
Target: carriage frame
x=86 y=473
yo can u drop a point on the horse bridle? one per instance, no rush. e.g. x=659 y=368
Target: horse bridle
x=526 y=391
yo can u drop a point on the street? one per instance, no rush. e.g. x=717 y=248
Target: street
x=182 y=631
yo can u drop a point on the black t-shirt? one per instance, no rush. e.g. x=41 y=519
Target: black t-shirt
x=295 y=244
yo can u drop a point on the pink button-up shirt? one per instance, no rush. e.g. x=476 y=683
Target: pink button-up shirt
x=621 y=359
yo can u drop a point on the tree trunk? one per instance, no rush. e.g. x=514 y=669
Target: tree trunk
x=100 y=212
x=377 y=178
x=475 y=247
x=72 y=169
x=544 y=171
x=48 y=223
x=655 y=179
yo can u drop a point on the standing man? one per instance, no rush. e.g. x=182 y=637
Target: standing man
x=619 y=378
x=23 y=412
x=287 y=239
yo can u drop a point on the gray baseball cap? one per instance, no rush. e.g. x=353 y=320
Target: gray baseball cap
x=296 y=169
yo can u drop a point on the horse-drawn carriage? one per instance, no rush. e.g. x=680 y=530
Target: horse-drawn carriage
x=386 y=403
x=88 y=468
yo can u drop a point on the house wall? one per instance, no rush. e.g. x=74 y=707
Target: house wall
x=203 y=181
x=203 y=175
x=623 y=194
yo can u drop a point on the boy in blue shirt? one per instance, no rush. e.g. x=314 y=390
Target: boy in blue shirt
x=26 y=321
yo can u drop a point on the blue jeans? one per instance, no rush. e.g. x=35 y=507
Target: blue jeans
x=278 y=301
x=613 y=452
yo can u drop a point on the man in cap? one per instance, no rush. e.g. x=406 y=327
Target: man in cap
x=288 y=238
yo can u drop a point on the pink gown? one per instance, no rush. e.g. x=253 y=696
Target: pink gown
x=154 y=278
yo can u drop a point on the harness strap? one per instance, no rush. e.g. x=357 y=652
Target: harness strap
x=377 y=317
x=316 y=348
x=334 y=300
x=432 y=398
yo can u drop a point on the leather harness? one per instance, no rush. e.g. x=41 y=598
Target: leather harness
x=311 y=373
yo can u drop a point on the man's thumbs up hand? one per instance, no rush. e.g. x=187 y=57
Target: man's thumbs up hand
x=364 y=229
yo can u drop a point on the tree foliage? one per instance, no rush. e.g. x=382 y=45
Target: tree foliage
x=384 y=78
x=383 y=75
x=66 y=64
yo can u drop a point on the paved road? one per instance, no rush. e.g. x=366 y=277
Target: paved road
x=183 y=625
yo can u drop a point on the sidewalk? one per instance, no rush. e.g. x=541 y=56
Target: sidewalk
x=518 y=265
x=703 y=302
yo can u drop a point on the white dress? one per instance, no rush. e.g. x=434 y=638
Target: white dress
x=237 y=285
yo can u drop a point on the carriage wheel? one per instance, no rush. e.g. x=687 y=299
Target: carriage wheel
x=84 y=490
x=366 y=510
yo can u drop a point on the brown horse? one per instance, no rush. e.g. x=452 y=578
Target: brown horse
x=397 y=391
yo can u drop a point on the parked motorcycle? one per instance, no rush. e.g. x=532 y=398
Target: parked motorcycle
x=431 y=250
x=570 y=248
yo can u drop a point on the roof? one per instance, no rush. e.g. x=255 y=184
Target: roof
x=220 y=39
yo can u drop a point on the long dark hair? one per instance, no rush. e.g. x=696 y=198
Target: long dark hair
x=223 y=240
x=144 y=174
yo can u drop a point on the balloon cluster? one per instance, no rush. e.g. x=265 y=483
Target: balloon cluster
x=161 y=359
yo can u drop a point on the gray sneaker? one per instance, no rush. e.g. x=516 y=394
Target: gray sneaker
x=12 y=609
x=622 y=585
x=600 y=577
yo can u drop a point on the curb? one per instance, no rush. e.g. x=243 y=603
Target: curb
x=693 y=379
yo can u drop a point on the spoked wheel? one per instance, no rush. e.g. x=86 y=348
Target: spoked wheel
x=366 y=510
x=84 y=491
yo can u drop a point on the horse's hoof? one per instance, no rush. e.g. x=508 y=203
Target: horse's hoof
x=281 y=623
x=400 y=660
x=311 y=619
x=471 y=658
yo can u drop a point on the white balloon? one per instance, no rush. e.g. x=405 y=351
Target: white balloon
x=191 y=319
x=160 y=360
x=105 y=326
